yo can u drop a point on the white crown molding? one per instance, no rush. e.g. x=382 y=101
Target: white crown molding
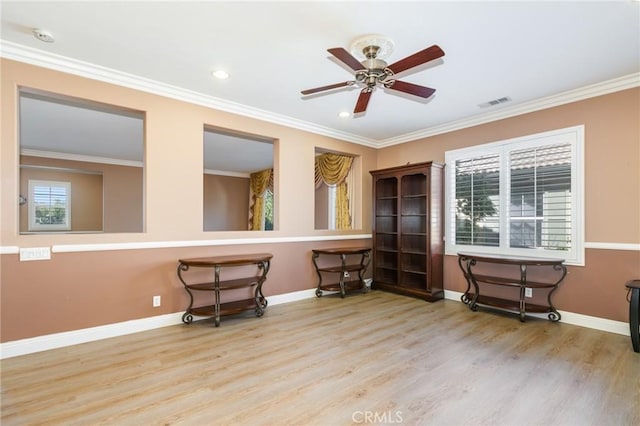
x=44 y=59
x=77 y=157
x=68 y=65
x=615 y=85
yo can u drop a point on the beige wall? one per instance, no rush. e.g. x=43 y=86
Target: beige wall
x=612 y=192
x=226 y=203
x=89 y=288
x=84 y=289
x=86 y=197
x=322 y=207
x=121 y=194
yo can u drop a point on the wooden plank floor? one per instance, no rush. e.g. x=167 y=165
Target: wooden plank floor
x=367 y=359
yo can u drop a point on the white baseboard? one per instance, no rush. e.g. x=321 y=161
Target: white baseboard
x=602 y=324
x=291 y=297
x=75 y=337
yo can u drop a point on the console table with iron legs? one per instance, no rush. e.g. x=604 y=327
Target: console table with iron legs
x=468 y=263
x=344 y=269
x=217 y=286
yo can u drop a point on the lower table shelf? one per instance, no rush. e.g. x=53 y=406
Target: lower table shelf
x=508 y=304
x=227 y=308
x=346 y=285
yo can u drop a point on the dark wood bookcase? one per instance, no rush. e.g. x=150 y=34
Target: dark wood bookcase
x=408 y=244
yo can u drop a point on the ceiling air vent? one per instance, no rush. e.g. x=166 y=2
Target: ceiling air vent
x=495 y=102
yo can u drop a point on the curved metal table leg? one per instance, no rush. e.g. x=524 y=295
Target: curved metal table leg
x=314 y=258
x=187 y=318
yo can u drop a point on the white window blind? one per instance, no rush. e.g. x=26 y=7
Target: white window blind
x=540 y=198
x=521 y=197
x=477 y=184
x=49 y=205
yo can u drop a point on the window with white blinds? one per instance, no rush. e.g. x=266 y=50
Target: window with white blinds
x=477 y=209
x=49 y=205
x=521 y=196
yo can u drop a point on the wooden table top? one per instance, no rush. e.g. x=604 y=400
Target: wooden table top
x=343 y=250
x=239 y=259
x=513 y=260
x=633 y=284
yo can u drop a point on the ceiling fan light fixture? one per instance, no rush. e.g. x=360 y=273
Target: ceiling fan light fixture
x=364 y=44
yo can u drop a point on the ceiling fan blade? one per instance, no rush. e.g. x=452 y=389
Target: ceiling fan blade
x=346 y=58
x=363 y=100
x=329 y=87
x=419 y=58
x=412 y=89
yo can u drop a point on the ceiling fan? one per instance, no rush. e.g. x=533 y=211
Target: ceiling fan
x=374 y=71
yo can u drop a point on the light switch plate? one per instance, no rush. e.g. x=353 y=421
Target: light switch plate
x=35 y=253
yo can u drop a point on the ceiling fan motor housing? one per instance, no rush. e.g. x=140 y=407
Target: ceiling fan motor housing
x=374 y=64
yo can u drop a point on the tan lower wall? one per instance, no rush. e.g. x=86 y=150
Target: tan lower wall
x=79 y=290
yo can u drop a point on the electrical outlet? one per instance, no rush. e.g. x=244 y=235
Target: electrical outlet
x=528 y=292
x=156 y=301
x=347 y=275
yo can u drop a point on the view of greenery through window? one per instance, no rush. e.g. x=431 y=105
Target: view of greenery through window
x=268 y=211
x=51 y=201
x=538 y=200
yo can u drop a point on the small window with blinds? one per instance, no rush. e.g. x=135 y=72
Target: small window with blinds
x=519 y=197
x=49 y=205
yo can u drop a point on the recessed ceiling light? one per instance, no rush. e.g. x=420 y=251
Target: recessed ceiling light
x=344 y=114
x=221 y=74
x=43 y=35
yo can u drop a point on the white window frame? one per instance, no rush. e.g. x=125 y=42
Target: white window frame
x=571 y=135
x=33 y=226
x=331 y=207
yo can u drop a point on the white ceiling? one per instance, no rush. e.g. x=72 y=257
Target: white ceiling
x=526 y=51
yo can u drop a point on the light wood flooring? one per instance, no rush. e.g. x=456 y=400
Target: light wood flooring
x=374 y=358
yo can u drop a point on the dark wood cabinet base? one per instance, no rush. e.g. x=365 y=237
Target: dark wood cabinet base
x=408 y=291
